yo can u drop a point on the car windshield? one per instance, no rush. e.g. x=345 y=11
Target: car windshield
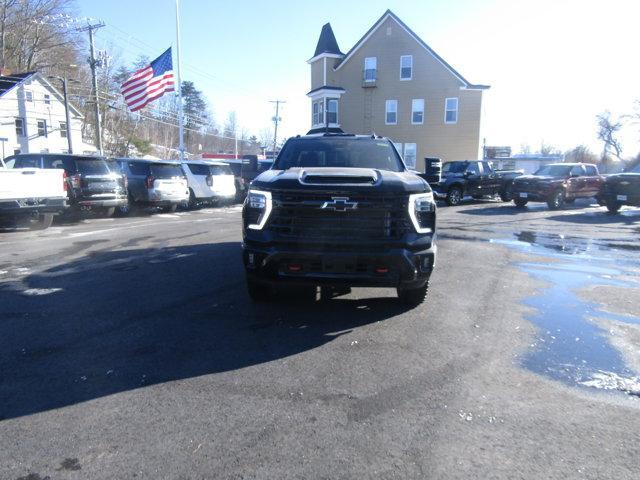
x=635 y=169
x=554 y=170
x=454 y=167
x=165 y=170
x=95 y=166
x=350 y=152
x=220 y=170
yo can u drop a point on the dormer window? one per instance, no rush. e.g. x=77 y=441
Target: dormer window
x=406 y=67
x=370 y=69
x=28 y=95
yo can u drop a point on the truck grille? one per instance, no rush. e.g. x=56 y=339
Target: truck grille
x=301 y=215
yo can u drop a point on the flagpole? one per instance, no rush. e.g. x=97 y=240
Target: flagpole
x=179 y=78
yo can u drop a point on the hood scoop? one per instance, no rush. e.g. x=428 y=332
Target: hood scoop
x=334 y=176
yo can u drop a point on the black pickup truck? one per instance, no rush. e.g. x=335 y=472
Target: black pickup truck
x=622 y=189
x=336 y=211
x=473 y=178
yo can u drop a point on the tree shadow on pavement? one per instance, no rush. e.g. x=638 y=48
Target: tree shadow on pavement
x=626 y=217
x=114 y=321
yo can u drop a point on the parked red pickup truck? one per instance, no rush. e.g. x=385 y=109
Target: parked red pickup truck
x=558 y=184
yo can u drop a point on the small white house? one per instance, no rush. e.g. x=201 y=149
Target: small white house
x=32 y=117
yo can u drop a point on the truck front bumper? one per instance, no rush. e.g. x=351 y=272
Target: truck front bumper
x=398 y=267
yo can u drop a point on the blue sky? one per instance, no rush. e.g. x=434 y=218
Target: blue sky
x=552 y=64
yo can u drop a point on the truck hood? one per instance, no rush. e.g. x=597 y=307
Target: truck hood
x=632 y=178
x=345 y=180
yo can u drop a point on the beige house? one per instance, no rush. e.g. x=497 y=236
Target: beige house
x=391 y=83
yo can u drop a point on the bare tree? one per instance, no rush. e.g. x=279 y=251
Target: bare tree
x=547 y=149
x=580 y=154
x=608 y=130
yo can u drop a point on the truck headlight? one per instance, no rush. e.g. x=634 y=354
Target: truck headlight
x=422 y=211
x=257 y=209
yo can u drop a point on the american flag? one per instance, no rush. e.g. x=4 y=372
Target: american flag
x=149 y=83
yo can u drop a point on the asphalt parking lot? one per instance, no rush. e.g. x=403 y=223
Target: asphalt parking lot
x=129 y=349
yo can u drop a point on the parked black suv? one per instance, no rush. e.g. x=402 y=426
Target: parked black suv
x=622 y=189
x=339 y=210
x=91 y=185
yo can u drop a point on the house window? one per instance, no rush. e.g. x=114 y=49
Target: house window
x=42 y=128
x=318 y=112
x=370 y=69
x=451 y=110
x=406 y=67
x=391 y=112
x=417 y=111
x=332 y=111
x=28 y=96
x=410 y=151
x=47 y=99
x=63 y=129
x=20 y=127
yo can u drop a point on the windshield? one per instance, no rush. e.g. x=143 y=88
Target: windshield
x=554 y=170
x=338 y=152
x=221 y=170
x=454 y=167
x=635 y=169
x=92 y=167
x=165 y=170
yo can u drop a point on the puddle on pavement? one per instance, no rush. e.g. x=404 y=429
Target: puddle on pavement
x=571 y=346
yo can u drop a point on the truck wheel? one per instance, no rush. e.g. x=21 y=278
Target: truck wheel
x=454 y=196
x=108 y=212
x=258 y=292
x=192 y=200
x=613 y=206
x=412 y=297
x=170 y=209
x=43 y=222
x=520 y=202
x=557 y=200
x=506 y=195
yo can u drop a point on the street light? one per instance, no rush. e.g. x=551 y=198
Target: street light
x=66 y=107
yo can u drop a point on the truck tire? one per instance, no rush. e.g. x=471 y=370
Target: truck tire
x=170 y=209
x=454 y=196
x=108 y=212
x=192 y=200
x=613 y=206
x=258 y=292
x=506 y=195
x=412 y=297
x=520 y=202
x=557 y=200
x=43 y=222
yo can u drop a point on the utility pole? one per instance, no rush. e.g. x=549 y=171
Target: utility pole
x=94 y=63
x=276 y=120
x=66 y=110
x=179 y=78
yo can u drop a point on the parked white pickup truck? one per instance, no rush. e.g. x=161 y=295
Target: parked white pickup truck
x=31 y=196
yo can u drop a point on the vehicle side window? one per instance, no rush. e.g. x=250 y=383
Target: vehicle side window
x=486 y=166
x=10 y=162
x=27 y=161
x=474 y=168
x=139 y=168
x=578 y=171
x=63 y=163
x=591 y=170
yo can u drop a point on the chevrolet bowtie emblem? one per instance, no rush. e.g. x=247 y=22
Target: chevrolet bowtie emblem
x=339 y=204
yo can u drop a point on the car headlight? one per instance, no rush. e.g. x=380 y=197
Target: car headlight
x=422 y=212
x=257 y=209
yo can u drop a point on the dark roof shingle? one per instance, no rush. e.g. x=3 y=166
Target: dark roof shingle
x=327 y=42
x=7 y=82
